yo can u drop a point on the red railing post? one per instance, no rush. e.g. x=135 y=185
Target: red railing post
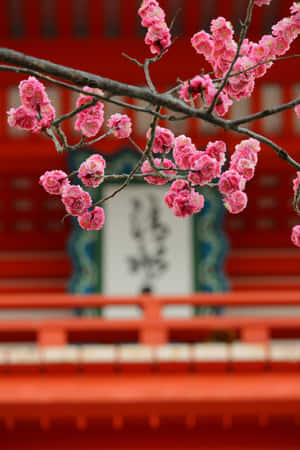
x=255 y=334
x=51 y=337
x=154 y=331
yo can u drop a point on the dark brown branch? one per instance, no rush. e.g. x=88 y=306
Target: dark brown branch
x=81 y=78
x=266 y=112
x=280 y=151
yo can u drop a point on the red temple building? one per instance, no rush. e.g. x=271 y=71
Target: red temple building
x=220 y=381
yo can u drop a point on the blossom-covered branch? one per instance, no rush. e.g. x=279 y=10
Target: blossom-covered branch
x=165 y=157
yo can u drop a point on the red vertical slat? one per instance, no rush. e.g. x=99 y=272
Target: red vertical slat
x=284 y=9
x=64 y=18
x=4 y=19
x=258 y=22
x=95 y=14
x=128 y=18
x=256 y=106
x=288 y=116
x=4 y=107
x=224 y=9
x=192 y=13
x=32 y=18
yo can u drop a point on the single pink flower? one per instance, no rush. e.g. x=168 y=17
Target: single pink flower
x=203 y=44
x=295 y=236
x=183 y=200
x=236 y=202
x=151 y=13
x=76 y=200
x=92 y=220
x=121 y=125
x=164 y=140
x=158 y=37
x=217 y=150
x=231 y=181
x=91 y=171
x=90 y=120
x=183 y=150
x=204 y=168
x=167 y=164
x=53 y=181
x=33 y=94
x=187 y=203
x=297 y=110
x=179 y=185
x=22 y=118
x=296 y=182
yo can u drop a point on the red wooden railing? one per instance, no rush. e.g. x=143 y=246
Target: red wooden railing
x=152 y=328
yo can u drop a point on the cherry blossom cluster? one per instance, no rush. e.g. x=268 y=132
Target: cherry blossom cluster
x=241 y=169
x=158 y=35
x=219 y=49
x=167 y=158
x=90 y=120
x=36 y=111
x=295 y=236
x=75 y=199
x=183 y=199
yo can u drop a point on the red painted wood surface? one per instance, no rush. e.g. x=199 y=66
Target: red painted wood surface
x=152 y=328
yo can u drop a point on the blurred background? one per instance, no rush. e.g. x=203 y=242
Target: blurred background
x=211 y=362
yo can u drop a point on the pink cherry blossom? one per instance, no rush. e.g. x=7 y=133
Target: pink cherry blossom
x=187 y=203
x=203 y=44
x=33 y=94
x=47 y=113
x=221 y=28
x=89 y=125
x=262 y=2
x=179 y=185
x=236 y=202
x=53 y=181
x=183 y=150
x=158 y=37
x=91 y=171
x=296 y=183
x=204 y=168
x=22 y=118
x=244 y=167
x=167 y=164
x=217 y=150
x=90 y=120
x=231 y=181
x=295 y=8
x=83 y=99
x=195 y=87
x=121 y=125
x=76 y=200
x=164 y=140
x=92 y=220
x=297 y=110
x=295 y=236
x=151 y=13
x=183 y=200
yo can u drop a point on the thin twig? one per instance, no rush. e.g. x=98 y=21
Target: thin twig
x=280 y=151
x=243 y=33
x=139 y=149
x=266 y=112
x=296 y=200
